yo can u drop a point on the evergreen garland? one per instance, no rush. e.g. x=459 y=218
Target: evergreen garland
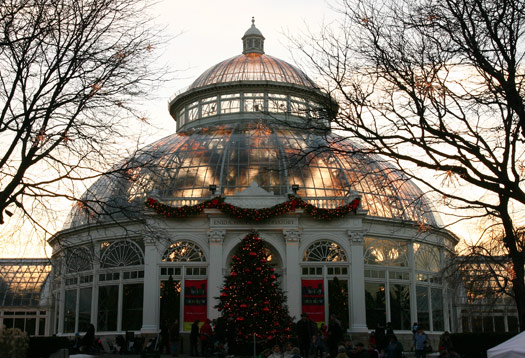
x=253 y=215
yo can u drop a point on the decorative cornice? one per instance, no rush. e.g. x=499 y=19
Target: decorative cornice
x=216 y=236
x=149 y=240
x=292 y=235
x=357 y=237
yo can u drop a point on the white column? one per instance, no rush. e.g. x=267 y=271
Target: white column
x=413 y=279
x=62 y=297
x=215 y=275
x=150 y=308
x=357 y=294
x=293 y=272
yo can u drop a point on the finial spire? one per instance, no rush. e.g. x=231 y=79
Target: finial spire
x=253 y=40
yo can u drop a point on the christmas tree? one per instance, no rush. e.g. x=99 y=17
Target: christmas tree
x=251 y=296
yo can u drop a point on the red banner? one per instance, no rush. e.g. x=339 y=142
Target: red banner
x=195 y=301
x=313 y=299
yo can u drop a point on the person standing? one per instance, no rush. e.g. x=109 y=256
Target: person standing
x=420 y=338
x=306 y=330
x=335 y=335
x=394 y=348
x=194 y=338
x=206 y=338
x=174 y=338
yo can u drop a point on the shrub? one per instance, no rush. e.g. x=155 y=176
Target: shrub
x=475 y=345
x=43 y=347
x=13 y=343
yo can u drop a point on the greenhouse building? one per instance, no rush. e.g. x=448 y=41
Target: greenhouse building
x=252 y=132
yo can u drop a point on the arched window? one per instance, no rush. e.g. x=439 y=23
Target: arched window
x=184 y=251
x=385 y=253
x=120 y=254
x=426 y=258
x=324 y=251
x=79 y=259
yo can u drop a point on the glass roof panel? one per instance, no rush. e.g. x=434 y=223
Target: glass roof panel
x=253 y=67
x=22 y=281
x=232 y=156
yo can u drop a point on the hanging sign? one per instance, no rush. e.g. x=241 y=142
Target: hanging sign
x=312 y=292
x=195 y=302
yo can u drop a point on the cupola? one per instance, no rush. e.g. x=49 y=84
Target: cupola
x=253 y=40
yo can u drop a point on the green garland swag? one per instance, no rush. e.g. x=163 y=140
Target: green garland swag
x=253 y=215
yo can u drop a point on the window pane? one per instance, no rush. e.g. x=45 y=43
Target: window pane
x=437 y=309
x=70 y=311
x=400 y=306
x=84 y=309
x=422 y=307
x=132 y=307
x=30 y=326
x=42 y=326
x=375 y=304
x=107 y=308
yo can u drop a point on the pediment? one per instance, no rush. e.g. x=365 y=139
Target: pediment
x=255 y=197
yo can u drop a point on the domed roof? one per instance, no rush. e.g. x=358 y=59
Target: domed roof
x=253 y=67
x=179 y=168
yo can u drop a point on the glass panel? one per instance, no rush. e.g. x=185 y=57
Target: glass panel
x=437 y=309
x=324 y=251
x=209 y=109
x=426 y=257
x=230 y=106
x=423 y=317
x=253 y=105
x=338 y=300
x=499 y=324
x=375 y=304
x=70 y=311
x=132 y=301
x=30 y=326
x=513 y=323
x=121 y=253
x=19 y=323
x=385 y=252
x=41 y=326
x=84 y=309
x=488 y=324
x=170 y=300
x=400 y=306
x=275 y=105
x=107 y=308
x=184 y=251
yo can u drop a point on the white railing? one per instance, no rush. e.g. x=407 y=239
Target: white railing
x=320 y=202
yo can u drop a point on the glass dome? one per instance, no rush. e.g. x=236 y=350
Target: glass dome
x=253 y=67
x=179 y=169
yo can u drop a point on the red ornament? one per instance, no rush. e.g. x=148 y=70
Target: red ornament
x=266 y=302
x=273 y=277
x=233 y=274
x=252 y=253
x=224 y=294
x=243 y=305
x=214 y=203
x=266 y=309
x=258 y=269
x=249 y=282
x=246 y=270
x=240 y=319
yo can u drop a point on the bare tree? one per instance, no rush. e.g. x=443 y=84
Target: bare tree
x=436 y=86
x=70 y=75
